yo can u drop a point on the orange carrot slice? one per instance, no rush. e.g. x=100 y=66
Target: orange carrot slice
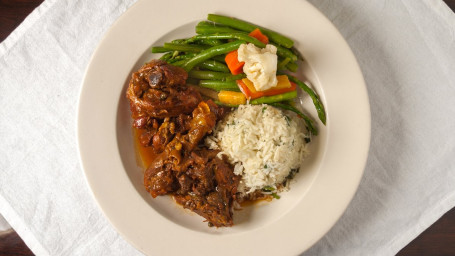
x=234 y=65
x=259 y=36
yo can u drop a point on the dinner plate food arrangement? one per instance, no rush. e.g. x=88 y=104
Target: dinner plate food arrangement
x=196 y=186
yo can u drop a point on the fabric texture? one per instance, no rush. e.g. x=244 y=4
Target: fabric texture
x=4 y=224
x=406 y=50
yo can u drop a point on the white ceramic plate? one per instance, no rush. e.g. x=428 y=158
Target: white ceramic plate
x=288 y=226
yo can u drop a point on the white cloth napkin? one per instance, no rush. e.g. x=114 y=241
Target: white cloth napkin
x=3 y=224
x=406 y=50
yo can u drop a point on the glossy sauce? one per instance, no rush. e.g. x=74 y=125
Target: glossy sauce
x=145 y=155
x=256 y=202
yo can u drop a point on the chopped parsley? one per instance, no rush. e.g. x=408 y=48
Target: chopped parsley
x=292 y=174
x=268 y=189
x=288 y=120
x=276 y=196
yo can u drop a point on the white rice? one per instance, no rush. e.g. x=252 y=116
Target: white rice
x=262 y=143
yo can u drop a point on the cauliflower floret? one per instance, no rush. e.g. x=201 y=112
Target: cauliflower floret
x=260 y=65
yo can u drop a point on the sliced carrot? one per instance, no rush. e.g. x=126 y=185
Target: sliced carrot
x=251 y=91
x=259 y=36
x=272 y=92
x=233 y=63
x=230 y=97
x=247 y=88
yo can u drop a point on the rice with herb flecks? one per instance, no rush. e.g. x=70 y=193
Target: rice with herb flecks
x=262 y=143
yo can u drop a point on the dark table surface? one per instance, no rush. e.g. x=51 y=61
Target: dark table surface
x=439 y=239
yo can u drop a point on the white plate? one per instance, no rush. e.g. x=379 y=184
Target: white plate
x=288 y=226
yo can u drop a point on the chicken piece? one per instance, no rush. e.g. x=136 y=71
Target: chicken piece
x=160 y=176
x=202 y=122
x=163 y=136
x=214 y=194
x=158 y=90
x=195 y=176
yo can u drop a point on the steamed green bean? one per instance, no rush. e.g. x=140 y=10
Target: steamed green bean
x=211 y=52
x=248 y=27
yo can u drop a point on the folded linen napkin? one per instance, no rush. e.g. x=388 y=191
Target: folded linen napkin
x=3 y=224
x=405 y=48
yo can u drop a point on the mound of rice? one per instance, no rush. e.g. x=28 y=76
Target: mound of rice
x=262 y=143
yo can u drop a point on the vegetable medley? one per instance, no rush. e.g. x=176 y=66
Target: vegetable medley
x=237 y=62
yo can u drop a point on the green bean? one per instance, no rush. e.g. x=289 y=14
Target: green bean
x=213 y=29
x=214 y=66
x=209 y=23
x=184 y=56
x=179 y=63
x=167 y=56
x=239 y=35
x=281 y=51
x=192 y=81
x=220 y=58
x=208 y=75
x=226 y=104
x=309 y=123
x=292 y=66
x=235 y=77
x=159 y=49
x=285 y=53
x=184 y=47
x=248 y=27
x=179 y=41
x=267 y=99
x=274 y=98
x=218 y=85
x=212 y=75
x=316 y=101
x=211 y=52
x=297 y=53
x=211 y=42
x=268 y=189
x=282 y=63
x=205 y=92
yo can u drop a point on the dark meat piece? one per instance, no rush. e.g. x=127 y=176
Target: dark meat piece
x=195 y=176
x=163 y=136
x=212 y=198
x=142 y=122
x=182 y=123
x=225 y=176
x=158 y=90
x=186 y=184
x=200 y=172
x=219 y=112
x=213 y=208
x=160 y=181
x=148 y=127
x=145 y=137
x=155 y=134
x=159 y=178
x=202 y=123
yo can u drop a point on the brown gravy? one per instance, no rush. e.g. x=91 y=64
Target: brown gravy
x=145 y=155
